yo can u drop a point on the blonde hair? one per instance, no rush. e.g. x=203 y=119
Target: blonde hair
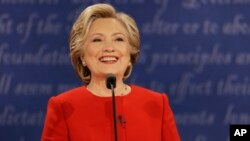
x=81 y=28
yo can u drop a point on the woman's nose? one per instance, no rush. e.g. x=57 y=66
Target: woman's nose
x=108 y=47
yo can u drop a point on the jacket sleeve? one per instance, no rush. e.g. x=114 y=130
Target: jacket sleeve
x=169 y=129
x=55 y=128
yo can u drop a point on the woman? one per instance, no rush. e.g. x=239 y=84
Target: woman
x=103 y=41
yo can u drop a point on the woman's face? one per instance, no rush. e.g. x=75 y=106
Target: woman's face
x=107 y=49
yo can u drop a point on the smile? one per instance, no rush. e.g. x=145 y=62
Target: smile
x=108 y=59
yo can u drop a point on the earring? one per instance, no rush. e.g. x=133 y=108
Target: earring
x=84 y=63
x=128 y=71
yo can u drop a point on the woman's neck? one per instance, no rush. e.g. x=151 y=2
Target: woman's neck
x=98 y=87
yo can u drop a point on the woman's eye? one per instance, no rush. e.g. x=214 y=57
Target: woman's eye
x=119 y=39
x=96 y=40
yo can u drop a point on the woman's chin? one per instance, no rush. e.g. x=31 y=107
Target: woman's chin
x=106 y=71
x=112 y=72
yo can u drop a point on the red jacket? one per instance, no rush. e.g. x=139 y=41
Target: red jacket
x=78 y=115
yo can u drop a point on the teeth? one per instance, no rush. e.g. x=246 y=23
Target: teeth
x=105 y=59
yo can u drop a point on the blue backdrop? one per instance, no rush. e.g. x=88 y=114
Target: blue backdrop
x=196 y=51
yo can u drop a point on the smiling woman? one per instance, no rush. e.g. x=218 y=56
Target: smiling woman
x=106 y=50
x=102 y=42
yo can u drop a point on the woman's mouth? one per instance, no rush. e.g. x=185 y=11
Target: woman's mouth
x=108 y=59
